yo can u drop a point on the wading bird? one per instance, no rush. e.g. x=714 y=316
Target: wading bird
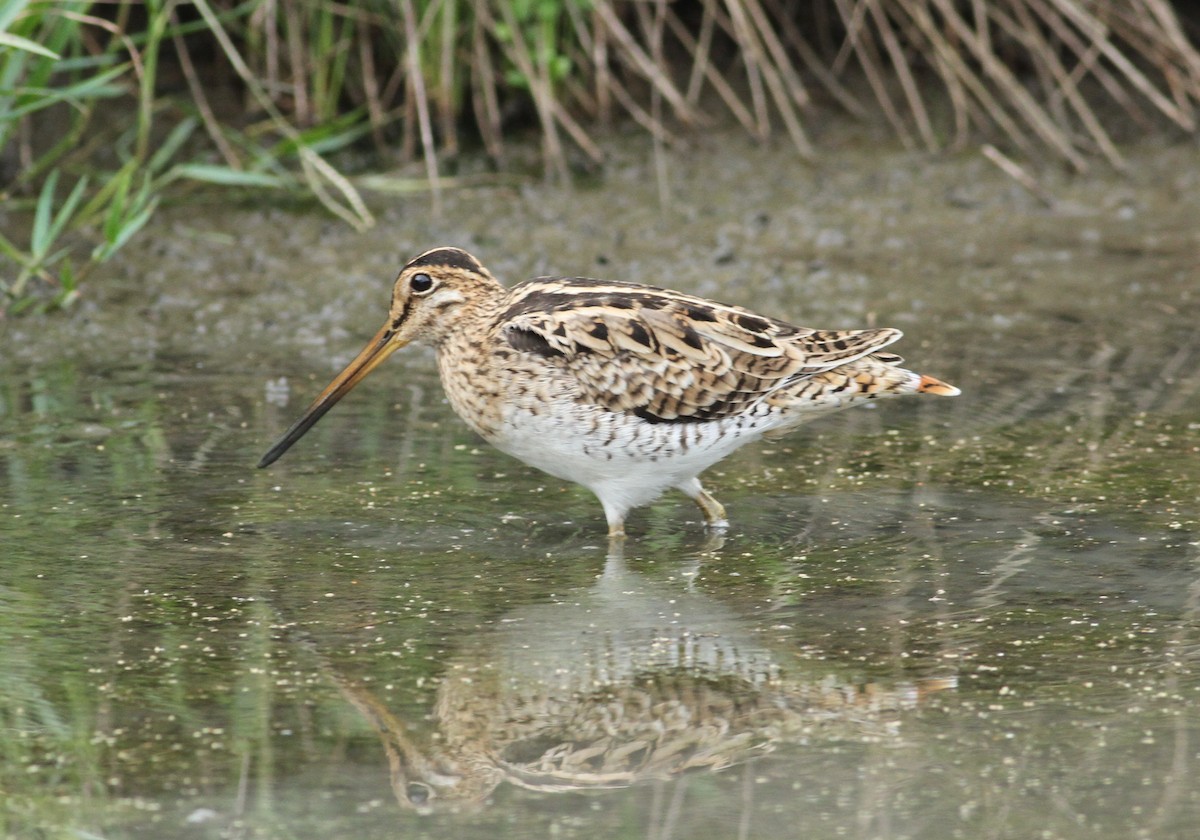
x=626 y=389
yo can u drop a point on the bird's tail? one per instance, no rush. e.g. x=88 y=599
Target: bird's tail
x=871 y=377
x=929 y=385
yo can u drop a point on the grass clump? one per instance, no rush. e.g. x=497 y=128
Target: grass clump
x=268 y=94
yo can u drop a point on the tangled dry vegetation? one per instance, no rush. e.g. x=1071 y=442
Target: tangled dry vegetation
x=265 y=93
x=1038 y=75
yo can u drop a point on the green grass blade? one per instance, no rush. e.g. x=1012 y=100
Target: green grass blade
x=16 y=42
x=67 y=211
x=39 y=237
x=123 y=232
x=132 y=225
x=226 y=176
x=37 y=98
x=48 y=225
x=9 y=10
x=13 y=252
x=116 y=205
x=68 y=292
x=167 y=149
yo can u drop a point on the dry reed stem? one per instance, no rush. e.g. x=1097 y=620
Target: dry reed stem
x=592 y=54
x=654 y=32
x=637 y=55
x=964 y=109
x=315 y=169
x=699 y=51
x=812 y=61
x=1018 y=173
x=416 y=81
x=541 y=92
x=212 y=126
x=550 y=108
x=859 y=43
x=1033 y=114
x=1099 y=37
x=735 y=24
x=1060 y=84
x=600 y=53
x=640 y=115
x=700 y=48
x=486 y=102
x=759 y=61
x=782 y=80
x=370 y=83
x=907 y=83
x=446 y=76
x=778 y=54
x=296 y=55
x=988 y=107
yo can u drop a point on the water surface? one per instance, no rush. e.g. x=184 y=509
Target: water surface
x=937 y=618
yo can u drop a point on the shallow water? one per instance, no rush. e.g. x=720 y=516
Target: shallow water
x=938 y=618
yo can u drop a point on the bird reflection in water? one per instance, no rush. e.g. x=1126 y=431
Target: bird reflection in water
x=632 y=681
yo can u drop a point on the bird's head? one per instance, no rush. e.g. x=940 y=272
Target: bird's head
x=428 y=302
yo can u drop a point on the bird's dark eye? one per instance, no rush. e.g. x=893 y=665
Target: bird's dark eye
x=421 y=283
x=418 y=794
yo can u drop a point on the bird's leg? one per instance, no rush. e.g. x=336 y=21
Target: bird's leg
x=714 y=511
x=616 y=521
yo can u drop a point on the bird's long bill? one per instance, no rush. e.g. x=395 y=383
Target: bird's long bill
x=377 y=349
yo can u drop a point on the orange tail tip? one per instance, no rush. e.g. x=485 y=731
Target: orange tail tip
x=929 y=385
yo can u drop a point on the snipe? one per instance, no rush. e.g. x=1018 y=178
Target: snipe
x=623 y=388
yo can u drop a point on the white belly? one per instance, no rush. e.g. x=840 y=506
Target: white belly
x=619 y=455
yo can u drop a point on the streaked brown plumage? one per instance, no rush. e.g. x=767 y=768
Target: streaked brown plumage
x=623 y=388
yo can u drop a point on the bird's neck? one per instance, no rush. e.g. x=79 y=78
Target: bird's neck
x=467 y=361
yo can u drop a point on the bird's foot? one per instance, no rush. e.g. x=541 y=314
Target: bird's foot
x=714 y=512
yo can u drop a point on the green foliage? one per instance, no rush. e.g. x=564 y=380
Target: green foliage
x=83 y=206
x=246 y=94
x=544 y=24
